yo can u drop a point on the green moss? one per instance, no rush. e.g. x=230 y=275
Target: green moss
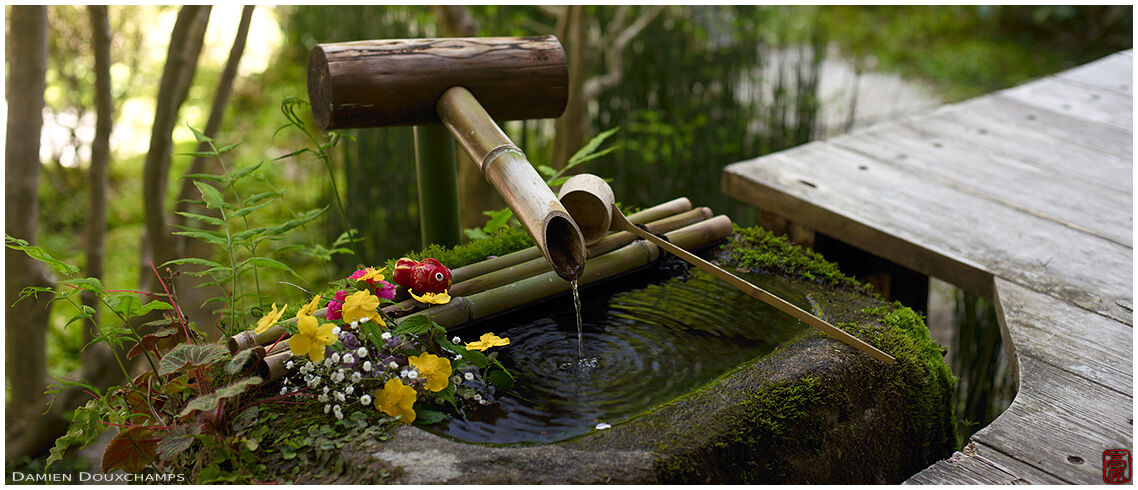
x=757 y=249
x=505 y=241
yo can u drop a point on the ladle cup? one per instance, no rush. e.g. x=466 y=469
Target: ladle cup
x=591 y=203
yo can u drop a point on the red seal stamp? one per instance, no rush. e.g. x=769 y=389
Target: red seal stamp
x=1116 y=466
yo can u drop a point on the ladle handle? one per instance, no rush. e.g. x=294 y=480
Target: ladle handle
x=619 y=221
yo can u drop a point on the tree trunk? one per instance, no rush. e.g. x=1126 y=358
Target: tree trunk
x=26 y=323
x=98 y=182
x=475 y=194
x=573 y=123
x=177 y=76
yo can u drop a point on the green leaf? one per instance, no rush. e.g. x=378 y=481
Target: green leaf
x=248 y=209
x=199 y=136
x=426 y=416
x=475 y=234
x=205 y=236
x=197 y=154
x=255 y=198
x=546 y=170
x=192 y=261
x=189 y=356
x=239 y=362
x=270 y=263
x=212 y=196
x=498 y=219
x=203 y=218
x=206 y=177
x=85 y=312
x=588 y=152
x=85 y=428
x=132 y=450
x=210 y=401
x=41 y=255
x=501 y=379
x=228 y=148
x=244 y=172
x=413 y=325
x=447 y=394
x=176 y=441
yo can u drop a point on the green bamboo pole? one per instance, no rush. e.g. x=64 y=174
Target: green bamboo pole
x=632 y=256
x=438 y=186
x=653 y=213
x=538 y=265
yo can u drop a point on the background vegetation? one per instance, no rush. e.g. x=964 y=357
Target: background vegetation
x=691 y=88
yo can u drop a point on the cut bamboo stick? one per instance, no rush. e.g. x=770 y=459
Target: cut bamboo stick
x=273 y=367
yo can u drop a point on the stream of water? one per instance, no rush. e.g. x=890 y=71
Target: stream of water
x=650 y=338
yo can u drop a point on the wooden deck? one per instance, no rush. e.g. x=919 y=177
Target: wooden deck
x=1024 y=196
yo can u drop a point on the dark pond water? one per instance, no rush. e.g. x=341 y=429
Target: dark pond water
x=648 y=338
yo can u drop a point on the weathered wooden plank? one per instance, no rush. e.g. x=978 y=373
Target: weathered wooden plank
x=926 y=226
x=1066 y=97
x=977 y=463
x=947 y=158
x=1018 y=115
x=1114 y=73
x=1061 y=423
x=1057 y=155
x=1083 y=343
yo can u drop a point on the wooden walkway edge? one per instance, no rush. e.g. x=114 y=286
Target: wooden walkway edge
x=1024 y=196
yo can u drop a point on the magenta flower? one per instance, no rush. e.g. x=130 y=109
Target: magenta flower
x=385 y=290
x=335 y=305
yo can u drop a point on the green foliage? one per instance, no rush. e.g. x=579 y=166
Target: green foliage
x=211 y=401
x=191 y=356
x=230 y=229
x=502 y=242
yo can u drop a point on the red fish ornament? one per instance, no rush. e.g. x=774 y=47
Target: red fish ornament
x=428 y=276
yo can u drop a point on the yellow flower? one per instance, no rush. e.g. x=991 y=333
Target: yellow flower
x=435 y=369
x=373 y=275
x=269 y=319
x=486 y=341
x=311 y=339
x=360 y=305
x=396 y=400
x=309 y=308
x=432 y=298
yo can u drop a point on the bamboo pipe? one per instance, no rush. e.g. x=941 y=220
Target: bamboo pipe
x=516 y=180
x=632 y=256
x=273 y=367
x=538 y=265
x=663 y=210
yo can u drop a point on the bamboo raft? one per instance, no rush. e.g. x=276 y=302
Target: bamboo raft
x=1024 y=197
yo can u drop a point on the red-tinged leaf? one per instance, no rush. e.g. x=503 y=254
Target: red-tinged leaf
x=177 y=385
x=141 y=380
x=132 y=449
x=159 y=341
x=190 y=356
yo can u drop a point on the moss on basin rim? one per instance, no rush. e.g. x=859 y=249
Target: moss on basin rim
x=813 y=411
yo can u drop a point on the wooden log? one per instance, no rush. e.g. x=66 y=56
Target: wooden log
x=398 y=81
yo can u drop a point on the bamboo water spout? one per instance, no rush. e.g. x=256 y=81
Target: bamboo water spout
x=591 y=193
x=425 y=81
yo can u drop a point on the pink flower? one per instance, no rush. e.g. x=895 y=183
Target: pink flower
x=385 y=290
x=335 y=305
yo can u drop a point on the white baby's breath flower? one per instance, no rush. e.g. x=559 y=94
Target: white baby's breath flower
x=336 y=358
x=338 y=396
x=327 y=408
x=367 y=366
x=356 y=377
x=356 y=324
x=458 y=357
x=365 y=399
x=284 y=390
x=289 y=365
x=393 y=364
x=468 y=376
x=385 y=335
x=348 y=358
x=456 y=340
x=336 y=330
x=349 y=390
x=365 y=319
x=361 y=352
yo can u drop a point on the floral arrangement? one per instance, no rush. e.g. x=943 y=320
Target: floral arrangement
x=355 y=357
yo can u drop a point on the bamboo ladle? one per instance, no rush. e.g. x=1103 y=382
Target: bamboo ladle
x=590 y=201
